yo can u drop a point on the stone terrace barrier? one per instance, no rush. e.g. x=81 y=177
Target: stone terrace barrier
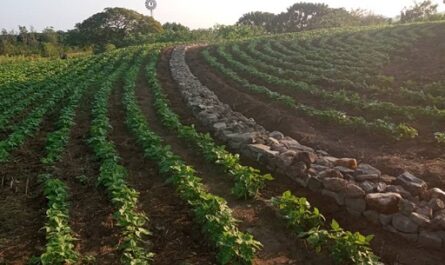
x=403 y=205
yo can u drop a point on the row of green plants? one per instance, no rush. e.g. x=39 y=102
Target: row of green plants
x=112 y=175
x=248 y=180
x=31 y=124
x=210 y=211
x=26 y=99
x=309 y=224
x=378 y=126
x=60 y=245
x=277 y=76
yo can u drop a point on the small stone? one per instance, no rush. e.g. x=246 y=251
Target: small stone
x=419 y=219
x=357 y=205
x=276 y=135
x=372 y=216
x=330 y=173
x=436 y=204
x=334 y=184
x=318 y=168
x=404 y=224
x=385 y=219
x=425 y=210
x=383 y=202
x=366 y=169
x=367 y=177
x=274 y=141
x=368 y=186
x=219 y=126
x=346 y=162
x=398 y=189
x=262 y=149
x=438 y=193
x=314 y=184
x=344 y=170
x=430 y=240
x=322 y=153
x=438 y=222
x=353 y=191
x=406 y=207
x=388 y=179
x=336 y=196
x=307 y=157
x=411 y=183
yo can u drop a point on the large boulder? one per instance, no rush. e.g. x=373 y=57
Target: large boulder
x=335 y=184
x=386 y=203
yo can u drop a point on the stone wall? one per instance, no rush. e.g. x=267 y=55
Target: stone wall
x=403 y=205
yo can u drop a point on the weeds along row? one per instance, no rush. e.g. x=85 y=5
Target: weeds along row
x=338 y=79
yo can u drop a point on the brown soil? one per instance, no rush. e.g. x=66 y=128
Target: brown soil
x=424 y=160
x=22 y=213
x=175 y=237
x=392 y=248
x=91 y=211
x=422 y=62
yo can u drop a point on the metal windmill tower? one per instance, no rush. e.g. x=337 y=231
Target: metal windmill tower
x=151 y=5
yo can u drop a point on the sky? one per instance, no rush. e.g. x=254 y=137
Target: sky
x=64 y=14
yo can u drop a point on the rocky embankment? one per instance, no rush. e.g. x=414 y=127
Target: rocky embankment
x=401 y=204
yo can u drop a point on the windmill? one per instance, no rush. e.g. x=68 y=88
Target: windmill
x=151 y=5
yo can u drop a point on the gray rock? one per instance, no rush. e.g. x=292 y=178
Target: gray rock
x=219 y=126
x=339 y=198
x=385 y=219
x=372 y=216
x=366 y=169
x=411 y=183
x=274 y=142
x=406 y=207
x=368 y=186
x=438 y=193
x=330 y=173
x=356 y=205
x=425 y=210
x=398 y=189
x=386 y=203
x=438 y=222
x=314 y=184
x=344 y=170
x=404 y=224
x=262 y=149
x=419 y=219
x=353 y=191
x=335 y=184
x=245 y=138
x=276 y=135
x=367 y=177
x=436 y=204
x=430 y=240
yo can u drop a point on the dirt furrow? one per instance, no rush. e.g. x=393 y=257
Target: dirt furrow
x=175 y=237
x=90 y=209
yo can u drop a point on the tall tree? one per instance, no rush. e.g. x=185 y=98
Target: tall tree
x=258 y=19
x=418 y=12
x=114 y=25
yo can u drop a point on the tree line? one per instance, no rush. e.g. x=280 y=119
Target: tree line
x=120 y=27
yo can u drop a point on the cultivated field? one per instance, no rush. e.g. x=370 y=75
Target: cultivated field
x=120 y=158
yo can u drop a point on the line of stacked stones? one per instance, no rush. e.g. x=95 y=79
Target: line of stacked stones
x=403 y=205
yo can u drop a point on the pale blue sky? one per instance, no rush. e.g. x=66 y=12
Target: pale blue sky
x=63 y=14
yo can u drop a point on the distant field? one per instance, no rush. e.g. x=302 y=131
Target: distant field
x=105 y=153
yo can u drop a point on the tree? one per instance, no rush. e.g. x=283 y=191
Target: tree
x=114 y=26
x=175 y=27
x=258 y=19
x=300 y=15
x=418 y=12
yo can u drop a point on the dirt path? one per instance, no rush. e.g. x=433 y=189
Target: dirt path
x=91 y=210
x=391 y=248
x=391 y=158
x=175 y=237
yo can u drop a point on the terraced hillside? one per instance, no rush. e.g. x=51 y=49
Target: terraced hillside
x=321 y=147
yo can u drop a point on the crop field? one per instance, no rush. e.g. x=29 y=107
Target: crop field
x=280 y=149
